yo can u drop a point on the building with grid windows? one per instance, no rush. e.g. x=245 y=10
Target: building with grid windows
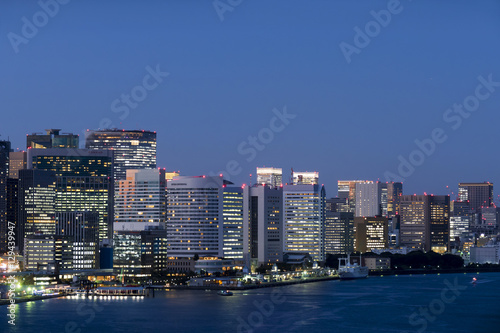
x=140 y=200
x=339 y=232
x=263 y=224
x=425 y=222
x=233 y=222
x=195 y=216
x=370 y=233
x=84 y=181
x=477 y=194
x=133 y=149
x=304 y=220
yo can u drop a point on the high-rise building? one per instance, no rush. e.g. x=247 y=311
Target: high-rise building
x=304 y=220
x=347 y=189
x=84 y=181
x=48 y=253
x=270 y=176
x=425 y=222
x=305 y=178
x=82 y=229
x=140 y=254
x=140 y=200
x=132 y=149
x=370 y=233
x=232 y=225
x=339 y=232
x=263 y=224
x=478 y=194
x=4 y=173
x=368 y=199
x=17 y=161
x=337 y=205
x=460 y=219
x=394 y=192
x=53 y=139
x=195 y=216
x=37 y=204
x=488 y=224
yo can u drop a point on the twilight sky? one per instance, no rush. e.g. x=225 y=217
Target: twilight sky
x=314 y=85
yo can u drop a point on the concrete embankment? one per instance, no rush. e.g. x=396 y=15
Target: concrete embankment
x=28 y=299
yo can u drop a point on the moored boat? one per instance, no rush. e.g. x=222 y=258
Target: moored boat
x=350 y=271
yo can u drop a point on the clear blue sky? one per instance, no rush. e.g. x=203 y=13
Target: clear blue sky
x=352 y=120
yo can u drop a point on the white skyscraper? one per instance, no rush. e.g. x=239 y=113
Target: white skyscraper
x=304 y=220
x=140 y=200
x=195 y=216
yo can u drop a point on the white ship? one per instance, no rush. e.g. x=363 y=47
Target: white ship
x=350 y=271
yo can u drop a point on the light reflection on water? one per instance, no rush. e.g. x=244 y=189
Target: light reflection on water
x=376 y=304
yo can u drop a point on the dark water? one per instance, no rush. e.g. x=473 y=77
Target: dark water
x=430 y=303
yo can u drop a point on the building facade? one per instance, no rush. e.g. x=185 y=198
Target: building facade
x=195 y=216
x=477 y=194
x=263 y=224
x=370 y=233
x=133 y=149
x=304 y=220
x=232 y=226
x=339 y=232
x=140 y=200
x=270 y=176
x=425 y=222
x=84 y=181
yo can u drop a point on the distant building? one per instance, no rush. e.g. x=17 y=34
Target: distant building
x=370 y=233
x=84 y=181
x=304 y=220
x=140 y=200
x=377 y=263
x=368 y=199
x=477 y=194
x=195 y=216
x=233 y=220
x=394 y=192
x=53 y=139
x=270 y=176
x=339 y=232
x=339 y=205
x=48 y=253
x=460 y=219
x=485 y=254
x=488 y=223
x=347 y=189
x=305 y=178
x=133 y=149
x=17 y=161
x=37 y=204
x=82 y=228
x=4 y=173
x=263 y=224
x=425 y=222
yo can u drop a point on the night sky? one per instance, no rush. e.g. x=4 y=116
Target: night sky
x=357 y=93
